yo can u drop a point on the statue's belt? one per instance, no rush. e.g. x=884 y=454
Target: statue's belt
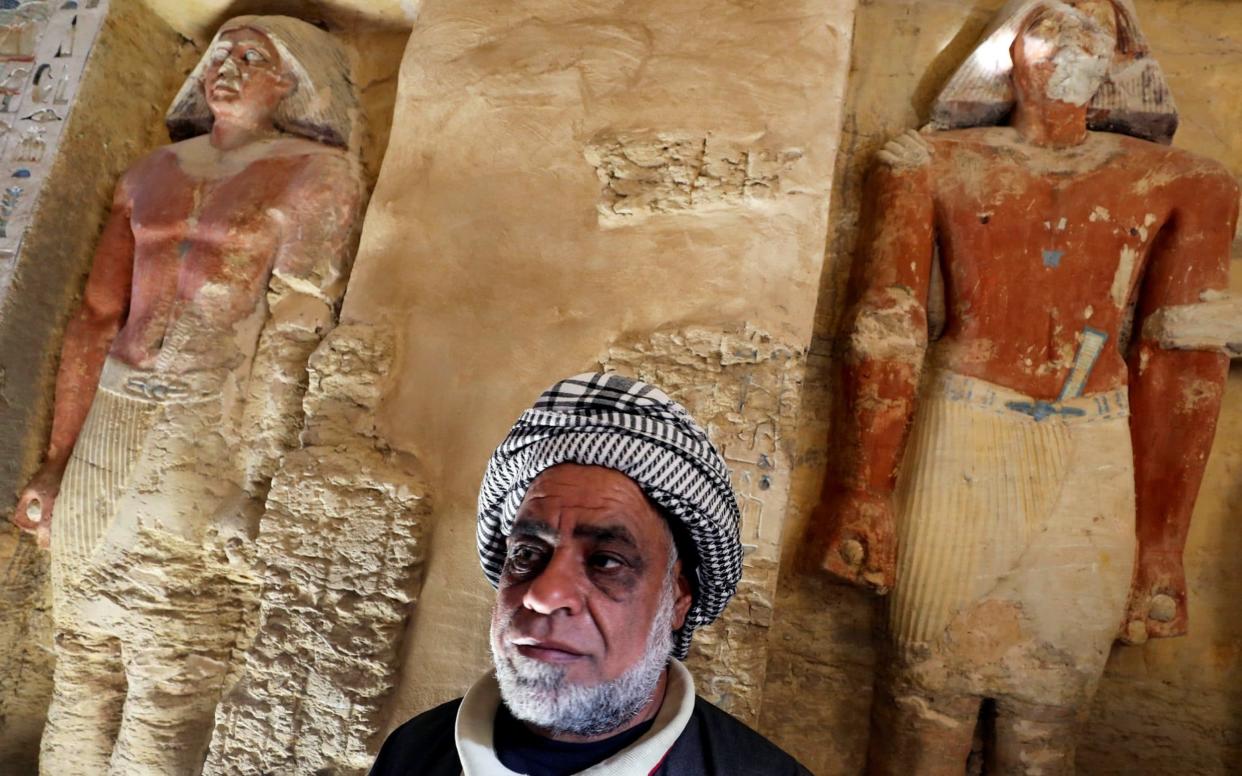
x=160 y=387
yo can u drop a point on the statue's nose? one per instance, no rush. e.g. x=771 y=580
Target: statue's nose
x=229 y=66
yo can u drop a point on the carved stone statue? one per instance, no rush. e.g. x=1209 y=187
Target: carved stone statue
x=1001 y=506
x=180 y=388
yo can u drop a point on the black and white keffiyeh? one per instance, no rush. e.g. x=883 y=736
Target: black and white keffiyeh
x=614 y=421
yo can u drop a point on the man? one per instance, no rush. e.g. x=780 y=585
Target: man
x=607 y=522
x=1005 y=525
x=179 y=388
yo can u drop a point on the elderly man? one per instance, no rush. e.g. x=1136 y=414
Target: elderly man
x=608 y=525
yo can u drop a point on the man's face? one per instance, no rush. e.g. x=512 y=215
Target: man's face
x=245 y=78
x=1062 y=55
x=586 y=575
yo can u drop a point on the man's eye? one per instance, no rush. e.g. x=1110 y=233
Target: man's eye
x=523 y=558
x=605 y=562
x=219 y=55
x=254 y=57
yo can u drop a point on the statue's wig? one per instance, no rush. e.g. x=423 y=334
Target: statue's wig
x=1134 y=98
x=323 y=105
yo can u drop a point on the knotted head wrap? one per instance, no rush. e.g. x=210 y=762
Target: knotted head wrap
x=613 y=421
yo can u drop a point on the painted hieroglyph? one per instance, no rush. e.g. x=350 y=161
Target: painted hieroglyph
x=1022 y=487
x=180 y=389
x=44 y=47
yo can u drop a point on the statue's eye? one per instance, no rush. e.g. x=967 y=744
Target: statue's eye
x=219 y=55
x=253 y=57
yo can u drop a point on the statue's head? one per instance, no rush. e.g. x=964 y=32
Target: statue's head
x=1085 y=52
x=270 y=69
x=1060 y=54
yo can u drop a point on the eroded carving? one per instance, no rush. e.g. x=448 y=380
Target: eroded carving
x=1000 y=509
x=647 y=173
x=342 y=546
x=742 y=385
x=180 y=389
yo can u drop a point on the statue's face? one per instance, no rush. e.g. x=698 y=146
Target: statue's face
x=245 y=79
x=1062 y=56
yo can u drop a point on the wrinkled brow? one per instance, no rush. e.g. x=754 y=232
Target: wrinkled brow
x=541 y=529
x=534 y=529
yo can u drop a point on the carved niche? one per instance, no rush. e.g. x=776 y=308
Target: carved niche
x=1023 y=485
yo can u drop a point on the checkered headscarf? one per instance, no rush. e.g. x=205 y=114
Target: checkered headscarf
x=614 y=421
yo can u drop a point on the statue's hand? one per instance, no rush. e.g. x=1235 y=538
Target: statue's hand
x=1157 y=607
x=862 y=548
x=907 y=151
x=33 y=513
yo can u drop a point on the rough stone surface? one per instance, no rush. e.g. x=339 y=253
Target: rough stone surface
x=25 y=644
x=594 y=178
x=341 y=544
x=645 y=173
x=1208 y=325
x=743 y=388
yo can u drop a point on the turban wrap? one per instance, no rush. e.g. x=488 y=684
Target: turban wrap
x=627 y=425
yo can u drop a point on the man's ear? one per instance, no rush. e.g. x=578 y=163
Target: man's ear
x=684 y=598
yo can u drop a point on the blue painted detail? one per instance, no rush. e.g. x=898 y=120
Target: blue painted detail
x=1053 y=258
x=1084 y=362
x=21 y=173
x=70 y=5
x=1044 y=409
x=9 y=5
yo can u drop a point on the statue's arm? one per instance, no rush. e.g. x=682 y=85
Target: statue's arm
x=307 y=283
x=1175 y=398
x=88 y=336
x=886 y=339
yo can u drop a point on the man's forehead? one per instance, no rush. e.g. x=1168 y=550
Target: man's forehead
x=570 y=497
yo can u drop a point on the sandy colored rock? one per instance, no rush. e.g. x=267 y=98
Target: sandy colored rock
x=341 y=545
x=561 y=175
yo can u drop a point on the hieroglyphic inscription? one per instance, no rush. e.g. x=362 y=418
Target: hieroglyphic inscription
x=743 y=386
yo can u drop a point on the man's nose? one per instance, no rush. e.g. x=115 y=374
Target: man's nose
x=558 y=588
x=229 y=66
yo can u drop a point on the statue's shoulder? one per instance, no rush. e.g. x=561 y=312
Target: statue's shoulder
x=153 y=166
x=311 y=150
x=914 y=149
x=1165 y=165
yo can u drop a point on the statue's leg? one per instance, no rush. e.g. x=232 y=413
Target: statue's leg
x=85 y=714
x=176 y=673
x=1033 y=739
x=919 y=733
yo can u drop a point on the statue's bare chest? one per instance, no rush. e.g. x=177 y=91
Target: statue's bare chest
x=1041 y=221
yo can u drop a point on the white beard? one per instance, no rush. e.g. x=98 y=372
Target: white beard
x=537 y=693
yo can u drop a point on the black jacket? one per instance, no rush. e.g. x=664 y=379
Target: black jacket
x=712 y=744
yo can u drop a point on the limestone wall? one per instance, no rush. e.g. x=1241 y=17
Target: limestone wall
x=669 y=188
x=640 y=185
x=1168 y=707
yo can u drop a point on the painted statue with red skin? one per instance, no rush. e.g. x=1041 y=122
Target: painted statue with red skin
x=1022 y=487
x=180 y=385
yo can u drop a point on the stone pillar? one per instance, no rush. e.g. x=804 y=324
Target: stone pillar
x=640 y=186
